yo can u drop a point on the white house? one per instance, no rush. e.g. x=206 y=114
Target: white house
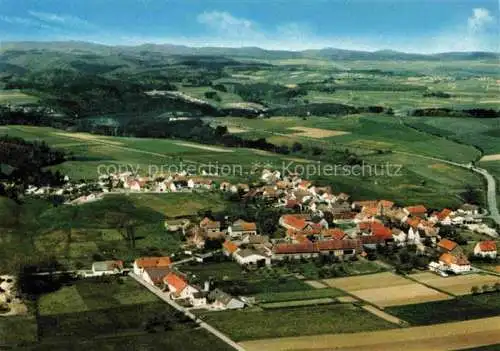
x=455 y=263
x=486 y=249
x=250 y=256
x=179 y=288
x=107 y=268
x=224 y=301
x=240 y=228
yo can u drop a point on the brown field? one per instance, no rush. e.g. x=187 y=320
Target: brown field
x=85 y=136
x=386 y=289
x=315 y=284
x=381 y=314
x=456 y=285
x=439 y=166
x=439 y=337
x=495 y=157
x=316 y=132
x=236 y=130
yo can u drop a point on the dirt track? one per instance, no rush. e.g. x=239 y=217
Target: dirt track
x=439 y=337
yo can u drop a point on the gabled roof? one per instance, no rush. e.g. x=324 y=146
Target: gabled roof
x=443 y=214
x=306 y=247
x=208 y=223
x=381 y=231
x=447 y=244
x=220 y=296
x=157 y=274
x=241 y=225
x=385 y=203
x=176 y=281
x=147 y=262
x=230 y=247
x=417 y=209
x=102 y=266
x=413 y=222
x=450 y=259
x=335 y=233
x=487 y=246
x=296 y=222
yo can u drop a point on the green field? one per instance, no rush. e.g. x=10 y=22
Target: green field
x=298 y=295
x=310 y=320
x=16 y=97
x=462 y=308
x=104 y=315
x=77 y=236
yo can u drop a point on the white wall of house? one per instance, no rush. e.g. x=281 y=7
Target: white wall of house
x=478 y=252
x=252 y=259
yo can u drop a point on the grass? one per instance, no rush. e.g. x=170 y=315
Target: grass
x=462 y=308
x=180 y=204
x=310 y=320
x=15 y=97
x=17 y=330
x=110 y=315
x=297 y=303
x=298 y=295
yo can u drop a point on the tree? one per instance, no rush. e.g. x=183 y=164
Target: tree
x=297 y=147
x=471 y=195
x=486 y=288
x=475 y=290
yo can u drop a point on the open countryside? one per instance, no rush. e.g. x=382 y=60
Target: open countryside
x=249 y=176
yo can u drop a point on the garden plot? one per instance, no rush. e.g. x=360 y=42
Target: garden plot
x=316 y=133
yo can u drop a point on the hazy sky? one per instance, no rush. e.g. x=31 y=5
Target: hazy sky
x=406 y=25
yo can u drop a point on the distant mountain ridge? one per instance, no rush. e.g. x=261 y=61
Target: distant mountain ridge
x=250 y=52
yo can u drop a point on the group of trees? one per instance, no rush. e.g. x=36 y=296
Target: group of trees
x=485 y=288
x=448 y=112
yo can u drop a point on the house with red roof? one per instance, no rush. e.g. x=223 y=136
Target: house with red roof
x=486 y=248
x=416 y=211
x=229 y=247
x=444 y=216
x=209 y=225
x=457 y=263
x=307 y=249
x=448 y=246
x=179 y=288
x=150 y=262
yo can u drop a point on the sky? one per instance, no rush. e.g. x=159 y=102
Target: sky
x=424 y=26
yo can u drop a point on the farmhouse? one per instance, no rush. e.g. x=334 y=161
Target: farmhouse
x=107 y=268
x=229 y=248
x=155 y=275
x=251 y=256
x=210 y=226
x=222 y=300
x=307 y=249
x=241 y=228
x=179 y=288
x=416 y=211
x=486 y=249
x=455 y=263
x=150 y=262
x=448 y=246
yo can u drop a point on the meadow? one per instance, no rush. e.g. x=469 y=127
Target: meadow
x=109 y=314
x=459 y=309
x=294 y=321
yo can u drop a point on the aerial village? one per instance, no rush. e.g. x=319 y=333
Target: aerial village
x=317 y=223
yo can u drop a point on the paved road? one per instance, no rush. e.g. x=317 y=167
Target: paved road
x=178 y=307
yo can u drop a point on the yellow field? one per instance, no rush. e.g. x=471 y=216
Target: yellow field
x=495 y=157
x=456 y=285
x=387 y=289
x=85 y=136
x=203 y=147
x=439 y=337
x=316 y=132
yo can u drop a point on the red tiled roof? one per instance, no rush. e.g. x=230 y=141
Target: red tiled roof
x=370 y=211
x=413 y=222
x=338 y=245
x=335 y=233
x=443 y=214
x=417 y=210
x=381 y=231
x=177 y=282
x=447 y=244
x=149 y=262
x=306 y=247
x=294 y=221
x=291 y=203
x=450 y=259
x=488 y=245
x=230 y=246
x=386 y=203
x=366 y=203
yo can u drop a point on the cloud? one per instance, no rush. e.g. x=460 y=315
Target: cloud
x=61 y=20
x=227 y=24
x=479 y=20
x=23 y=21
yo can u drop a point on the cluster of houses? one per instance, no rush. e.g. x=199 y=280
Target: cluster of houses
x=159 y=271
x=308 y=234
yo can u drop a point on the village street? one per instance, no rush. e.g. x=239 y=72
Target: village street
x=164 y=296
